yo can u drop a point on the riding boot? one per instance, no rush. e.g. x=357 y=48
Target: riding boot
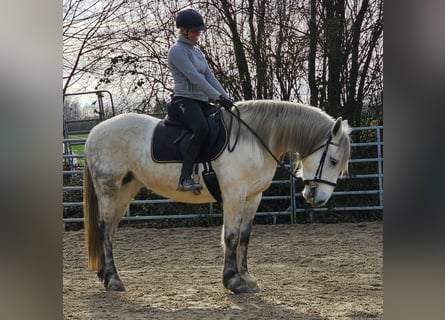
x=186 y=182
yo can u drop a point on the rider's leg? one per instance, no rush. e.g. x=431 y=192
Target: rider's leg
x=186 y=182
x=190 y=113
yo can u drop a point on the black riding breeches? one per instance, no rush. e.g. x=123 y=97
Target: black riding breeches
x=191 y=113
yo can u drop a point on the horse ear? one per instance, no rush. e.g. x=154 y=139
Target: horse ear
x=336 y=130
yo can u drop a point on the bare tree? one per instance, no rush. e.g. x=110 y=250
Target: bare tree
x=139 y=66
x=287 y=51
x=334 y=34
x=345 y=55
x=71 y=110
x=85 y=32
x=312 y=56
x=227 y=11
x=257 y=49
x=265 y=43
x=365 y=60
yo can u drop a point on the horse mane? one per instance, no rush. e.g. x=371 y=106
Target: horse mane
x=285 y=126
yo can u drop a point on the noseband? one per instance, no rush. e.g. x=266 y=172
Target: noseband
x=317 y=179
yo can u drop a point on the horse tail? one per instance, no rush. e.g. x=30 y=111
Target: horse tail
x=93 y=239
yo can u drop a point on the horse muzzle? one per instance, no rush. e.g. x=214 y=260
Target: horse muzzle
x=315 y=197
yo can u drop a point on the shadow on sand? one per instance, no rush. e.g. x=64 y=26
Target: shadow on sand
x=111 y=305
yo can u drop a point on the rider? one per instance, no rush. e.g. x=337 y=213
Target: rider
x=194 y=86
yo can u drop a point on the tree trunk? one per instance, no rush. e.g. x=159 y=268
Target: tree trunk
x=352 y=101
x=335 y=12
x=313 y=39
x=257 y=39
x=240 y=56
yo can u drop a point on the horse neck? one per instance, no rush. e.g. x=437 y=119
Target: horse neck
x=311 y=129
x=284 y=126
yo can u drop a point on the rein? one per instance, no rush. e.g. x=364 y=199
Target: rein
x=237 y=116
x=231 y=148
x=312 y=183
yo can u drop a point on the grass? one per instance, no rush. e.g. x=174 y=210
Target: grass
x=78 y=148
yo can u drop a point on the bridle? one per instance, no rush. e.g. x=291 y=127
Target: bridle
x=318 y=174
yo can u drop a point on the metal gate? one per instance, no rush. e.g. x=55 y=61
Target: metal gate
x=361 y=190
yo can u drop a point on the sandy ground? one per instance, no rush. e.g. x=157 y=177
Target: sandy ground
x=315 y=271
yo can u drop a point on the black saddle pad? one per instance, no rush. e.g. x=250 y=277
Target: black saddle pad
x=166 y=150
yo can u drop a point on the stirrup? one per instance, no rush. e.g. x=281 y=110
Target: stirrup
x=188 y=184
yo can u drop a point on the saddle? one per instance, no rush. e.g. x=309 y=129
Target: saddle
x=170 y=139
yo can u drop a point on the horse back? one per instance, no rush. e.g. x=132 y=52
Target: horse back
x=117 y=137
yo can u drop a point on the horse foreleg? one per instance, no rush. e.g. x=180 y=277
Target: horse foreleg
x=232 y=279
x=245 y=231
x=242 y=258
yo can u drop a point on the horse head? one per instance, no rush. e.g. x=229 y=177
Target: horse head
x=321 y=168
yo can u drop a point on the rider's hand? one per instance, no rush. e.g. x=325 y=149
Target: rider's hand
x=226 y=103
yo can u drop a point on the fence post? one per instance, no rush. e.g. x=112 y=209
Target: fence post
x=293 y=217
x=380 y=170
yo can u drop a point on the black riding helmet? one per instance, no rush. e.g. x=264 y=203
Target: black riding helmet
x=190 y=19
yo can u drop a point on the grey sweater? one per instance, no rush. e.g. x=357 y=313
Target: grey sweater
x=191 y=73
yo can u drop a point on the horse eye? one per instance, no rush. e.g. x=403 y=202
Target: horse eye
x=333 y=161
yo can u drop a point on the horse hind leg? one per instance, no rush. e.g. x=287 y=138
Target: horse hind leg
x=113 y=202
x=108 y=274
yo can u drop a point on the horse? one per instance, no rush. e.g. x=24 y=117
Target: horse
x=118 y=163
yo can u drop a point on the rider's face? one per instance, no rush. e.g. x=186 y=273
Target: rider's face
x=193 y=35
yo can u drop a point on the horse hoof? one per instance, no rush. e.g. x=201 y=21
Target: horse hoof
x=255 y=289
x=238 y=285
x=115 y=285
x=245 y=289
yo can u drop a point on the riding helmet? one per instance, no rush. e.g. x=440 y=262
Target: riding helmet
x=190 y=19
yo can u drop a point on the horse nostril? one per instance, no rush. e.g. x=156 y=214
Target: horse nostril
x=319 y=203
x=308 y=195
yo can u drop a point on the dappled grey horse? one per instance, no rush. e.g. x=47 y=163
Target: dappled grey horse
x=118 y=163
